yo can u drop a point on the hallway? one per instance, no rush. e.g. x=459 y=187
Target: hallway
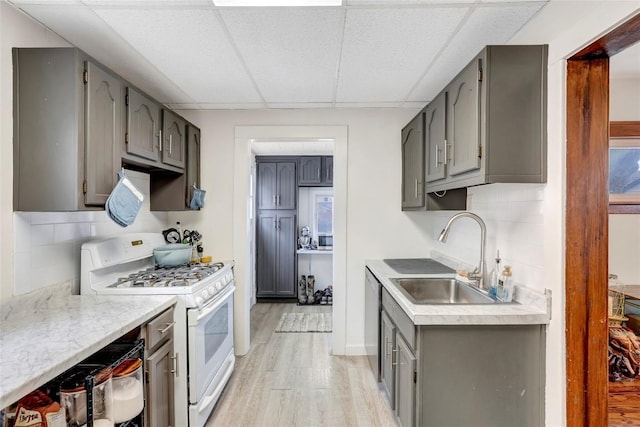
x=290 y=379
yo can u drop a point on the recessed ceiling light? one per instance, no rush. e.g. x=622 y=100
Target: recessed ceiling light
x=255 y=3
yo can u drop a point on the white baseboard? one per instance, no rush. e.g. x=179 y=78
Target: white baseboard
x=355 y=350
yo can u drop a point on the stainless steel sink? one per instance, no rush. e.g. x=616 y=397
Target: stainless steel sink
x=441 y=291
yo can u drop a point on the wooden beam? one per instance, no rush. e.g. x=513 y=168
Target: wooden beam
x=587 y=241
x=613 y=42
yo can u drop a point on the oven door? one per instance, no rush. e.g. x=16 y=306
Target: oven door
x=210 y=340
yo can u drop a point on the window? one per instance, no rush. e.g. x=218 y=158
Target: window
x=323 y=206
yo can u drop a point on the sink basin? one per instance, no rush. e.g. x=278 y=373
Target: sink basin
x=441 y=291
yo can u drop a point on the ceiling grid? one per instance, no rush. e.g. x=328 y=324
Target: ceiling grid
x=192 y=54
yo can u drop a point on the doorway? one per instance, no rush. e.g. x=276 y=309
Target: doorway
x=245 y=137
x=587 y=209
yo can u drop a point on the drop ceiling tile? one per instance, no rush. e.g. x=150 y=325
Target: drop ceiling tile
x=190 y=47
x=367 y=104
x=291 y=53
x=80 y=26
x=232 y=106
x=485 y=26
x=401 y=2
x=149 y=3
x=385 y=51
x=294 y=105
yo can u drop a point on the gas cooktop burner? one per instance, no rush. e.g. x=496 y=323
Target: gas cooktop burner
x=157 y=277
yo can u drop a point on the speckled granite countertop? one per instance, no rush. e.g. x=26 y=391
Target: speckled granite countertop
x=533 y=307
x=41 y=335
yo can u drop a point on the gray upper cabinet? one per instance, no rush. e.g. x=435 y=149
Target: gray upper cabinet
x=193 y=159
x=276 y=185
x=142 y=137
x=495 y=121
x=174 y=139
x=316 y=171
x=67 y=130
x=310 y=170
x=488 y=125
x=413 y=163
x=464 y=120
x=435 y=136
x=103 y=130
x=327 y=170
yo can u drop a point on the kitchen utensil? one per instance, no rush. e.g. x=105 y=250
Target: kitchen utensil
x=171 y=235
x=172 y=255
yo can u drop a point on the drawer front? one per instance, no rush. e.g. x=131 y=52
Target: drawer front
x=399 y=318
x=160 y=329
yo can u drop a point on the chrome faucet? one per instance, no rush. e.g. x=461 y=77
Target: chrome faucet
x=478 y=273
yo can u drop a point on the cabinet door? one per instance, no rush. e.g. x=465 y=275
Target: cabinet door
x=405 y=383
x=286 y=186
x=143 y=126
x=103 y=133
x=286 y=269
x=464 y=121
x=266 y=253
x=160 y=372
x=435 y=137
x=267 y=185
x=310 y=170
x=413 y=163
x=387 y=345
x=174 y=139
x=193 y=160
x=327 y=170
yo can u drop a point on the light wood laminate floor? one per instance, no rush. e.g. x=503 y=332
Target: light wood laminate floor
x=291 y=379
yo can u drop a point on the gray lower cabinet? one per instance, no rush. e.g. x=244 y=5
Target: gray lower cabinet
x=67 y=130
x=160 y=370
x=276 y=185
x=413 y=163
x=387 y=347
x=276 y=253
x=461 y=375
x=405 y=382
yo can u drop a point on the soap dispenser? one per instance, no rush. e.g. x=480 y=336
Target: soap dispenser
x=493 y=278
x=505 y=285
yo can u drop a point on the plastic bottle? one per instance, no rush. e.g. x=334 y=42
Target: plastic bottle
x=179 y=230
x=505 y=285
x=493 y=278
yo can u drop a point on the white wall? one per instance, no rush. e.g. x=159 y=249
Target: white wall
x=43 y=248
x=624 y=230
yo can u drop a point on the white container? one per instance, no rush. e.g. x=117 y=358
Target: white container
x=127 y=390
x=505 y=285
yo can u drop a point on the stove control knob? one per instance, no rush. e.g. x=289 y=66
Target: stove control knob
x=205 y=293
x=211 y=290
x=218 y=286
x=199 y=301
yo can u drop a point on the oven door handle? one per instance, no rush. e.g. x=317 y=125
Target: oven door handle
x=211 y=307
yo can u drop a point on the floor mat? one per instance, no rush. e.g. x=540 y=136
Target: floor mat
x=305 y=322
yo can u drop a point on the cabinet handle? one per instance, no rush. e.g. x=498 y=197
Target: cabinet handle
x=160 y=140
x=169 y=326
x=446 y=152
x=174 y=371
x=279 y=225
x=275 y=223
x=170 y=143
x=416 y=188
x=274 y=200
x=318 y=173
x=437 y=156
x=278 y=200
x=388 y=346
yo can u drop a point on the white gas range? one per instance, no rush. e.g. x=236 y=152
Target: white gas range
x=123 y=265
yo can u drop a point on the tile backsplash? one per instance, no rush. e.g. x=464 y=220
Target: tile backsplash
x=515 y=226
x=47 y=244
